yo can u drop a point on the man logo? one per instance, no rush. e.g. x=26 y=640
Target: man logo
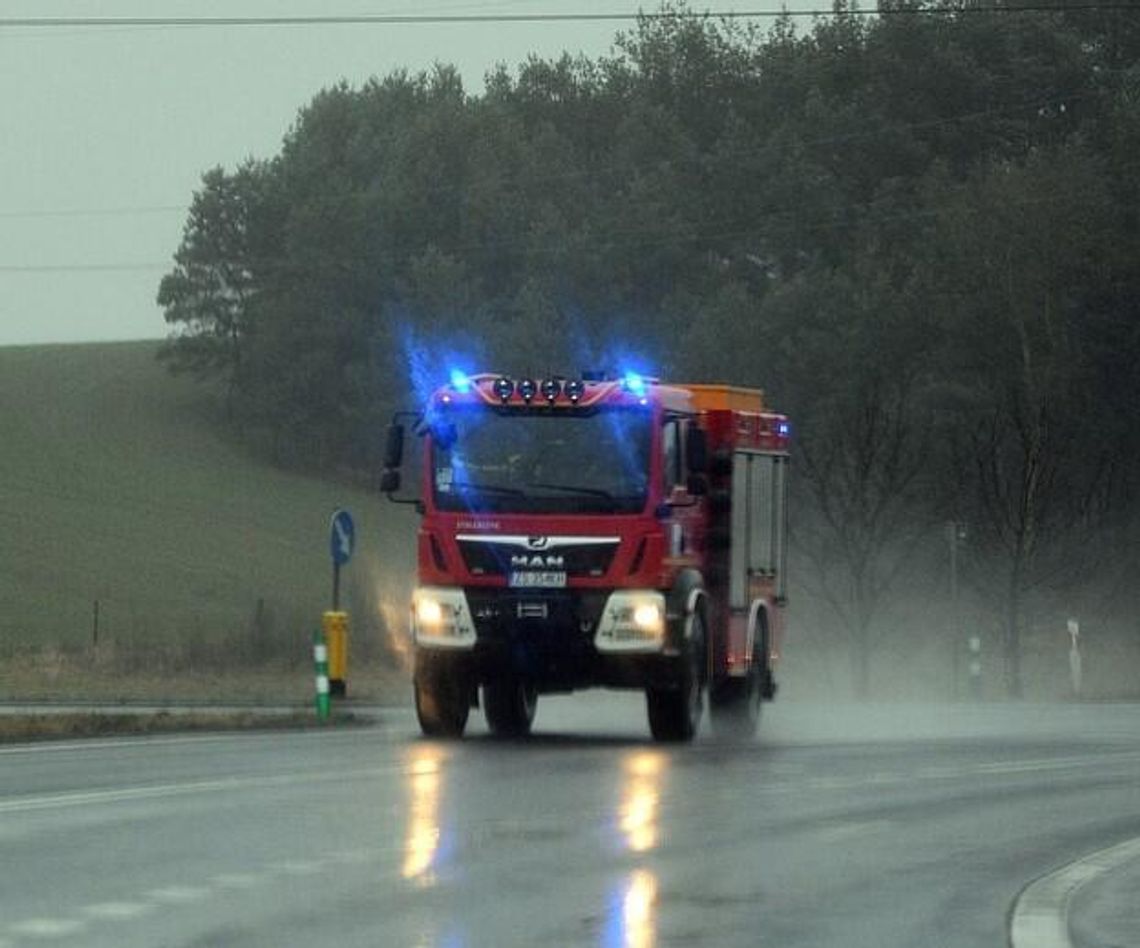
x=537 y=561
x=537 y=543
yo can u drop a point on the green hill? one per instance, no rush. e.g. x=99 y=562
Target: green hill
x=116 y=489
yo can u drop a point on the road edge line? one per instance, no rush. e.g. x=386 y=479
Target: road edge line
x=1040 y=914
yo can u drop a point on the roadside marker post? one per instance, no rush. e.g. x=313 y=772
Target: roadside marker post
x=1075 y=656
x=321 y=662
x=975 y=644
x=334 y=625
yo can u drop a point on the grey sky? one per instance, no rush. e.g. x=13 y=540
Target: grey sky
x=105 y=132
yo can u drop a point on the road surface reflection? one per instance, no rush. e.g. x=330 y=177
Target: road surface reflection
x=421 y=843
x=633 y=919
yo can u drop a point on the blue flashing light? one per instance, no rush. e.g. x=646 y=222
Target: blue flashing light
x=633 y=382
x=460 y=381
x=783 y=429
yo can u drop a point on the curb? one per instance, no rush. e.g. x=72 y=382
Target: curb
x=1040 y=915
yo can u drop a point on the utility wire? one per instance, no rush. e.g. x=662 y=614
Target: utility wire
x=94 y=212
x=393 y=19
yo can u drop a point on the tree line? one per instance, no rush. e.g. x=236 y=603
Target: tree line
x=917 y=231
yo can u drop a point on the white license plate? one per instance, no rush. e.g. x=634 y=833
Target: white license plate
x=533 y=579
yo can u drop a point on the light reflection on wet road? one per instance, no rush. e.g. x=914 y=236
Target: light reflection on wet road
x=839 y=827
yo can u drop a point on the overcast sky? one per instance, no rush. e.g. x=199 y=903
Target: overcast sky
x=105 y=131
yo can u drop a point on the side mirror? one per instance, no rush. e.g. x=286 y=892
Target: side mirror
x=394 y=449
x=390 y=480
x=696 y=450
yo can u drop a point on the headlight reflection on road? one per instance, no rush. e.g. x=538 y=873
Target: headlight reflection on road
x=421 y=842
x=633 y=917
x=639 y=910
x=641 y=794
x=631 y=921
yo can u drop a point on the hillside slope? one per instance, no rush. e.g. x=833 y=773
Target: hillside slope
x=116 y=489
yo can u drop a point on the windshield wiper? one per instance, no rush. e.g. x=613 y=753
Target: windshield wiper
x=497 y=490
x=575 y=489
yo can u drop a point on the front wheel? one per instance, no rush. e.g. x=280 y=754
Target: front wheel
x=509 y=706
x=675 y=713
x=442 y=703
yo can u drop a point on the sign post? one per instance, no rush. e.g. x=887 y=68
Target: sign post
x=342 y=541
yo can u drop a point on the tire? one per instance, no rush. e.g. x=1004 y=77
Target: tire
x=675 y=713
x=442 y=703
x=734 y=706
x=509 y=705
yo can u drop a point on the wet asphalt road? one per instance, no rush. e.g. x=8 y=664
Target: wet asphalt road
x=840 y=826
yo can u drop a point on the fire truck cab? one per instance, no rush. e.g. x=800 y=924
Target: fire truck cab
x=596 y=532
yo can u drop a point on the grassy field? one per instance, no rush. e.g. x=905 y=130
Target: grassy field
x=139 y=543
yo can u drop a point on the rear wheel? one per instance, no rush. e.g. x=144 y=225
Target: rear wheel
x=509 y=705
x=675 y=713
x=442 y=701
x=735 y=706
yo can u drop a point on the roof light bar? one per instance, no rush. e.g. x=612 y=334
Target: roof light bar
x=504 y=388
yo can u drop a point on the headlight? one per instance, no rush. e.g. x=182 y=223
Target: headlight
x=632 y=621
x=441 y=619
x=647 y=616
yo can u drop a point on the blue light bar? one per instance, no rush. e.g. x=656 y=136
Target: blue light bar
x=633 y=382
x=459 y=381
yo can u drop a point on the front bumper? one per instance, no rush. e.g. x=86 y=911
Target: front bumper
x=560 y=640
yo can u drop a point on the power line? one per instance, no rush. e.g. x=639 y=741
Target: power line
x=94 y=212
x=83 y=267
x=397 y=19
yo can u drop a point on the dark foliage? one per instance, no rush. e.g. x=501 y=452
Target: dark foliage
x=918 y=232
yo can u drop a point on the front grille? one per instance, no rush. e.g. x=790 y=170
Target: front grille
x=561 y=615
x=499 y=557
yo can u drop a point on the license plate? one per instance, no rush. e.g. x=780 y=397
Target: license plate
x=534 y=579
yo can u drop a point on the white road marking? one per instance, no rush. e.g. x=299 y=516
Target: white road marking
x=117 y=911
x=47 y=928
x=1040 y=917
x=354 y=857
x=130 y=794
x=178 y=894
x=299 y=867
x=840 y=832
x=122 y=743
x=236 y=880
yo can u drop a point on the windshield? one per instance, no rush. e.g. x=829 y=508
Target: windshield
x=543 y=462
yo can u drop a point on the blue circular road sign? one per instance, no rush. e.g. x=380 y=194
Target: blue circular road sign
x=342 y=537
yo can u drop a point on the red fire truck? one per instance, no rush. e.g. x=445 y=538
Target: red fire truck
x=594 y=531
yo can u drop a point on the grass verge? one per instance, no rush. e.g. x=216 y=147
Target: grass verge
x=15 y=728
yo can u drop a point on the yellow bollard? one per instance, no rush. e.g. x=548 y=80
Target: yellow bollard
x=335 y=625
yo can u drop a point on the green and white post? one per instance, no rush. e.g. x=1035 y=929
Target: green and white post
x=321 y=661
